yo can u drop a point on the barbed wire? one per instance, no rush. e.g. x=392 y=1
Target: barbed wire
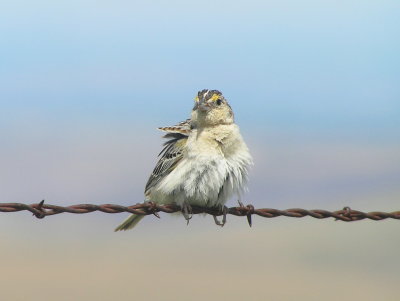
x=41 y=210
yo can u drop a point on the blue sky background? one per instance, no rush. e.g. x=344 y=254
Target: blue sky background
x=319 y=67
x=315 y=89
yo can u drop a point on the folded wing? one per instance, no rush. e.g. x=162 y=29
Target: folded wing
x=171 y=154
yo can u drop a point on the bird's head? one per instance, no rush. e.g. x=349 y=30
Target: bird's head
x=211 y=108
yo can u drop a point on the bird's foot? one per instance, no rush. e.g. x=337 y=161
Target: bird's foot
x=187 y=212
x=224 y=213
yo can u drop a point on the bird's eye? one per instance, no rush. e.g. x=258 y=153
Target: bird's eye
x=219 y=102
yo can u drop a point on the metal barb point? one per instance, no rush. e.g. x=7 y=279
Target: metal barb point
x=346 y=213
x=41 y=212
x=249 y=214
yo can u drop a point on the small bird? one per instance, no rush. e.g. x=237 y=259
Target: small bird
x=204 y=163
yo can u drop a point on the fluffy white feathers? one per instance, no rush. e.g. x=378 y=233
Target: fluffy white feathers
x=213 y=169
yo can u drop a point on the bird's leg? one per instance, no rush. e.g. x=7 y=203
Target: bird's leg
x=240 y=203
x=187 y=211
x=224 y=213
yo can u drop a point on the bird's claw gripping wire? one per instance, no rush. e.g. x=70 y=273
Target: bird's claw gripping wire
x=187 y=212
x=224 y=213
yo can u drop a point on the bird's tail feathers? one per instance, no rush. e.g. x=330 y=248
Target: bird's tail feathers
x=129 y=223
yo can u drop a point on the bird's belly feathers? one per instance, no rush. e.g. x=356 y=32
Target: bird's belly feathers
x=213 y=169
x=203 y=180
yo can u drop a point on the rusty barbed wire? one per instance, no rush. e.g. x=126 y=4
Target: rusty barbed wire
x=41 y=210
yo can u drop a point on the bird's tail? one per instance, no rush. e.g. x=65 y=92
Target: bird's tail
x=129 y=223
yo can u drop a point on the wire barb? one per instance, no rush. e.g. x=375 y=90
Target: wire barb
x=41 y=210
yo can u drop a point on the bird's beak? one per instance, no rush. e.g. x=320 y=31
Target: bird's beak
x=204 y=106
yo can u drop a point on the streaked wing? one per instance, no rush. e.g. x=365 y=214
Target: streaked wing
x=181 y=128
x=171 y=154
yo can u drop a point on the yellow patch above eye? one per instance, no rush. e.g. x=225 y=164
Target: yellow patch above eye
x=215 y=97
x=196 y=99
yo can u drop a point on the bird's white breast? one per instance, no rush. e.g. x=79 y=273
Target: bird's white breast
x=213 y=169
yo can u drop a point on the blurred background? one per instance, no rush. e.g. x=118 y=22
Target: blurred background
x=315 y=88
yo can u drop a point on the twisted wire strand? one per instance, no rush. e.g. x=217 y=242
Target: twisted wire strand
x=41 y=210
